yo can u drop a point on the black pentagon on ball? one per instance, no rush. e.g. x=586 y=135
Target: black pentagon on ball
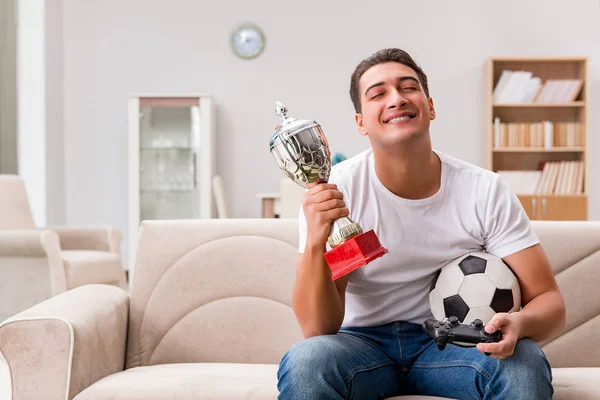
x=502 y=300
x=435 y=278
x=472 y=265
x=456 y=306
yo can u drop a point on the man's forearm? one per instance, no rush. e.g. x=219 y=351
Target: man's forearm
x=543 y=317
x=316 y=301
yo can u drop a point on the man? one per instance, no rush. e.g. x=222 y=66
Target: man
x=364 y=338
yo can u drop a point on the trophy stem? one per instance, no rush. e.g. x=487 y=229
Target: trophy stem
x=343 y=229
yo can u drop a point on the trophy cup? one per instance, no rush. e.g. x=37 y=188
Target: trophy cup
x=301 y=151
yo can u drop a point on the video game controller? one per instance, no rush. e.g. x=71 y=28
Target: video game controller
x=452 y=331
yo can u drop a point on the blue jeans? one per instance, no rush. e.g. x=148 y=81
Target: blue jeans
x=401 y=359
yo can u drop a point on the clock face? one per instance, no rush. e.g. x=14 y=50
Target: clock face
x=247 y=41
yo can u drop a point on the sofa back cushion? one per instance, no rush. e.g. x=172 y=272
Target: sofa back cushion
x=220 y=291
x=214 y=290
x=573 y=248
x=15 y=212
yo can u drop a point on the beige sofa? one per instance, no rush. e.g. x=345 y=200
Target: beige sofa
x=38 y=263
x=209 y=316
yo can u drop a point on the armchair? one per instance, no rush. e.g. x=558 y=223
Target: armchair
x=38 y=263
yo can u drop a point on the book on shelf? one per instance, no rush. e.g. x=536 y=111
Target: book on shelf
x=516 y=87
x=555 y=177
x=542 y=134
x=521 y=182
x=559 y=91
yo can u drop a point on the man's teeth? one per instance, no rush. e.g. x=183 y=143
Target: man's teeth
x=398 y=119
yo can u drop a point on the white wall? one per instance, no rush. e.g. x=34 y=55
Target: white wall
x=40 y=145
x=31 y=103
x=112 y=48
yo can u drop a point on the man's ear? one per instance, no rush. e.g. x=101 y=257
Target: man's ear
x=359 y=124
x=431 y=109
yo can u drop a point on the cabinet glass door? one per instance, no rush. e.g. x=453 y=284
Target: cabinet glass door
x=169 y=150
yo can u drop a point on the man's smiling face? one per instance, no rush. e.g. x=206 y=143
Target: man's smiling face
x=394 y=106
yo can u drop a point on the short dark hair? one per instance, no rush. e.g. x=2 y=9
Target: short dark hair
x=380 y=57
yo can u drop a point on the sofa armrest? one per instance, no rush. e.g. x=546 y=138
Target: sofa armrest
x=102 y=238
x=59 y=347
x=31 y=244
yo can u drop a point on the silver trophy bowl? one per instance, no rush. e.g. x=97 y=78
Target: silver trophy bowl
x=302 y=152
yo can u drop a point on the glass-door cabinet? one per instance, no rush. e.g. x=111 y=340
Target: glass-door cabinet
x=171 y=160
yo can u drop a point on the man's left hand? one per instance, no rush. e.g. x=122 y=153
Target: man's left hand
x=510 y=326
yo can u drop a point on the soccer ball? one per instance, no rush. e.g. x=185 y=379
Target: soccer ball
x=475 y=285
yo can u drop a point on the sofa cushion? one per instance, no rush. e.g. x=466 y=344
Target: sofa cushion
x=15 y=212
x=187 y=381
x=201 y=381
x=259 y=381
x=226 y=281
x=83 y=267
x=576 y=383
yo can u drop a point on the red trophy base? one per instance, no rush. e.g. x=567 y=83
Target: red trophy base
x=353 y=254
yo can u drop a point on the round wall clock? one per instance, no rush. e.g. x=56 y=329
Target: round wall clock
x=247 y=41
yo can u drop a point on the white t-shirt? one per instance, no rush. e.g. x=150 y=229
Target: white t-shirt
x=474 y=210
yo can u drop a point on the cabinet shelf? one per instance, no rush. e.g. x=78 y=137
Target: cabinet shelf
x=167 y=190
x=181 y=148
x=540 y=105
x=538 y=150
x=552 y=195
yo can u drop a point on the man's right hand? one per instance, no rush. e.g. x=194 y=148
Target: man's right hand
x=322 y=204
